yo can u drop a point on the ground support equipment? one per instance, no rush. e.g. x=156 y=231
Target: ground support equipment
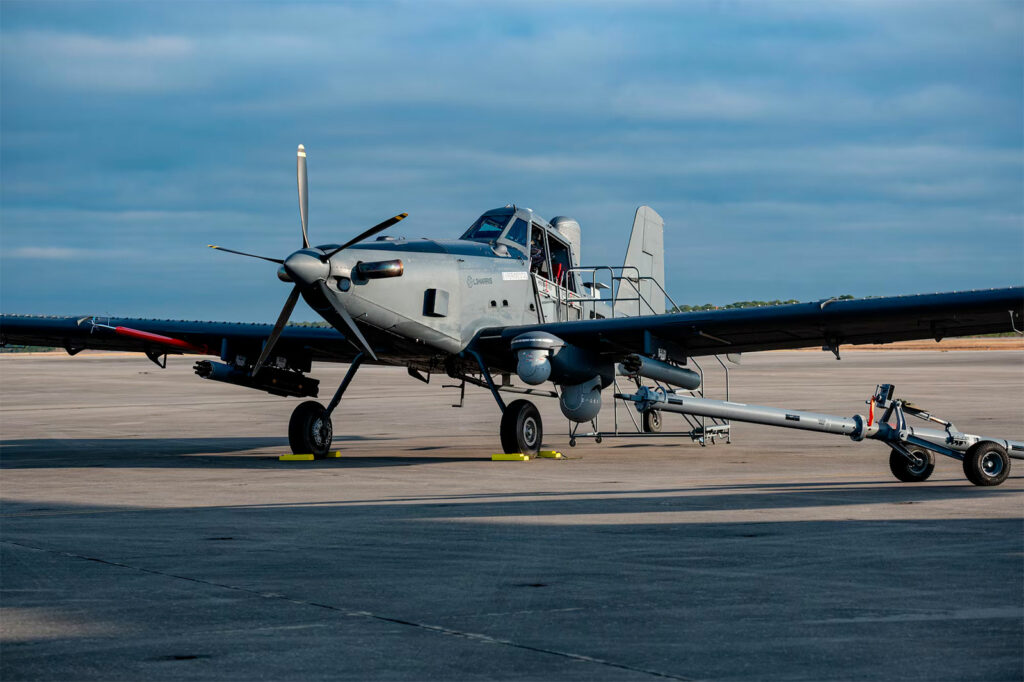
x=986 y=461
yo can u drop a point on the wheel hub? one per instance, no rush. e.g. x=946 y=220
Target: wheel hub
x=530 y=431
x=991 y=464
x=321 y=433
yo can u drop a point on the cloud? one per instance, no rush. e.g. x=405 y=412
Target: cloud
x=763 y=132
x=97 y=64
x=66 y=253
x=78 y=46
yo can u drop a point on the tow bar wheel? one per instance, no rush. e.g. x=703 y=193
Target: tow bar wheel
x=521 y=428
x=912 y=471
x=986 y=463
x=309 y=430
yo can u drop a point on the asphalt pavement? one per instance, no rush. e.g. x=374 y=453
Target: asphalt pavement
x=148 y=531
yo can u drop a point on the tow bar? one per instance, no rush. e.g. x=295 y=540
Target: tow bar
x=986 y=460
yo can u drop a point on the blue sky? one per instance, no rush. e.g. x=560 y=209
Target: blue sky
x=795 y=149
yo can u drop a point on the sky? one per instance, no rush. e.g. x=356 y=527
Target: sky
x=795 y=149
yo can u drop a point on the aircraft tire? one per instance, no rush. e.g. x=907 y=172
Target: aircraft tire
x=308 y=432
x=652 y=421
x=908 y=472
x=986 y=463
x=521 y=428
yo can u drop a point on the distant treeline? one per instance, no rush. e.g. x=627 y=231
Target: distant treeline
x=743 y=304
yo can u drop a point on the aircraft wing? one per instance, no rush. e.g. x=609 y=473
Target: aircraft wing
x=829 y=323
x=172 y=336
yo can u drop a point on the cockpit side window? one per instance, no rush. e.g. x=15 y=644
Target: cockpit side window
x=560 y=264
x=539 y=253
x=519 y=232
x=487 y=228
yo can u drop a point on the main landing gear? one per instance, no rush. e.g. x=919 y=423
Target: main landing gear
x=310 y=429
x=521 y=428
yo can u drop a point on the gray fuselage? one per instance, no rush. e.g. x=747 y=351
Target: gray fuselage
x=449 y=290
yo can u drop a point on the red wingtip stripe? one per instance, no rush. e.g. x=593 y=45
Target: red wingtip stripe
x=159 y=338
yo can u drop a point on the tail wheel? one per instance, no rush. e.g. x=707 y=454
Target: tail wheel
x=986 y=463
x=912 y=471
x=309 y=430
x=521 y=428
x=652 y=421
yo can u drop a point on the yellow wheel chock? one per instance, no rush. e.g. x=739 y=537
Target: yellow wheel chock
x=308 y=458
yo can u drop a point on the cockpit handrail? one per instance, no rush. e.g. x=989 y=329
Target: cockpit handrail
x=616 y=274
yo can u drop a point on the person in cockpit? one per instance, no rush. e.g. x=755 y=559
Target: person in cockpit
x=537 y=259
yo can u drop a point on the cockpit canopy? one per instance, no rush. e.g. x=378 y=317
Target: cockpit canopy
x=509 y=226
x=489 y=226
x=552 y=249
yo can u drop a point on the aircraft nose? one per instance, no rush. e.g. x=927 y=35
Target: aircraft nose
x=306 y=267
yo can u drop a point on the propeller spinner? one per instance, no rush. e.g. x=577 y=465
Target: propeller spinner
x=307 y=269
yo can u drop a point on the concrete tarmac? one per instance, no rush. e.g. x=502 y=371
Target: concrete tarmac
x=148 y=531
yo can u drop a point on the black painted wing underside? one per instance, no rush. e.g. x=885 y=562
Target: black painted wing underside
x=826 y=323
x=323 y=344
x=832 y=323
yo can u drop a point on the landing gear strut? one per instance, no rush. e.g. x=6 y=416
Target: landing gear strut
x=521 y=428
x=310 y=429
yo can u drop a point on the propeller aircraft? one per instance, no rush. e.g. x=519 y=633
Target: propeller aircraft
x=507 y=299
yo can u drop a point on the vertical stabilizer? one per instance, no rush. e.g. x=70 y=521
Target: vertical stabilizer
x=646 y=252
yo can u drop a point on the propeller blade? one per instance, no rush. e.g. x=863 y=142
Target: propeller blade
x=303 y=194
x=282 y=320
x=250 y=255
x=348 y=320
x=379 y=227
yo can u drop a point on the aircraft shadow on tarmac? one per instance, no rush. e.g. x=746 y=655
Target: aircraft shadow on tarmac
x=845 y=589
x=544 y=507
x=38 y=453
